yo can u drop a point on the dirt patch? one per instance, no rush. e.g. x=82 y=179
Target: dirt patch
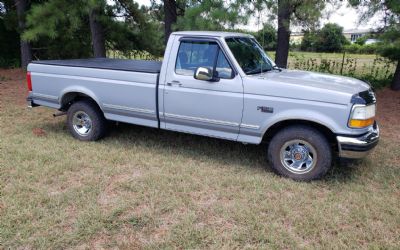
x=39 y=132
x=388 y=113
x=13 y=87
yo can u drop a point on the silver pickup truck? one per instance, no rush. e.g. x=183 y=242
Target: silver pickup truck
x=220 y=85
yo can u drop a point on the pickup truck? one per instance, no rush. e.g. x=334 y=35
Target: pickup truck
x=221 y=85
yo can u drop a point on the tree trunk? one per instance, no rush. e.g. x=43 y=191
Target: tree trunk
x=282 y=49
x=396 y=78
x=170 y=17
x=97 y=31
x=26 y=51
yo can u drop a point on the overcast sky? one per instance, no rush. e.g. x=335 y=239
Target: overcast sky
x=345 y=16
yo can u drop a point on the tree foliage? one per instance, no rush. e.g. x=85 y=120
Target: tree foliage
x=267 y=37
x=328 y=39
x=211 y=15
x=390 y=31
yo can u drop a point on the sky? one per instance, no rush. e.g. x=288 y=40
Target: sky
x=345 y=16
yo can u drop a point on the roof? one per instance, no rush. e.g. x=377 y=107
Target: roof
x=357 y=31
x=210 y=33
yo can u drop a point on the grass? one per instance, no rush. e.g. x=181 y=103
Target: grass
x=144 y=188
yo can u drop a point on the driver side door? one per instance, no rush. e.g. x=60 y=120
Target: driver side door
x=211 y=108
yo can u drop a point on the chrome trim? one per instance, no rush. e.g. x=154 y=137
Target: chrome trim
x=199 y=119
x=124 y=108
x=358 y=147
x=49 y=97
x=249 y=126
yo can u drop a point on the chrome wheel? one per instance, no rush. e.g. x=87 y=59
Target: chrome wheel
x=82 y=123
x=298 y=156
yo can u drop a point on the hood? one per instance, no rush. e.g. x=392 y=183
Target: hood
x=310 y=85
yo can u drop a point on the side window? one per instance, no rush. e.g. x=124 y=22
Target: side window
x=192 y=55
x=223 y=68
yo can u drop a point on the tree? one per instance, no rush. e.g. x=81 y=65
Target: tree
x=63 y=34
x=309 y=41
x=267 y=37
x=390 y=45
x=303 y=12
x=9 y=37
x=212 y=15
x=171 y=16
x=96 y=28
x=330 y=38
x=26 y=51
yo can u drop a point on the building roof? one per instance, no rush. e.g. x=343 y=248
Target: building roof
x=357 y=31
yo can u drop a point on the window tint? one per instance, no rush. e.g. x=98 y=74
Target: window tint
x=192 y=55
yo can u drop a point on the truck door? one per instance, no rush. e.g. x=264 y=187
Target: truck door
x=212 y=108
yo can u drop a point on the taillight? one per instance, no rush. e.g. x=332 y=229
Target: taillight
x=29 y=80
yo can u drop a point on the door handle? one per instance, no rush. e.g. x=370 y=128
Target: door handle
x=174 y=84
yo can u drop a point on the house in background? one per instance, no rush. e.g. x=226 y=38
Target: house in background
x=354 y=34
x=351 y=35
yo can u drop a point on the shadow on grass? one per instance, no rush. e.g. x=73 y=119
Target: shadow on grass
x=202 y=148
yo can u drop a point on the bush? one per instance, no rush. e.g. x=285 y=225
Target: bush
x=352 y=48
x=361 y=49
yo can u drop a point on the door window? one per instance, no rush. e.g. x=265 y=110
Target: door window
x=192 y=55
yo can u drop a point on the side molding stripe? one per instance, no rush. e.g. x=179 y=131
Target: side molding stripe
x=198 y=119
x=111 y=106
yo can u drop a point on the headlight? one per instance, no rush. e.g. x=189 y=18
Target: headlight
x=362 y=116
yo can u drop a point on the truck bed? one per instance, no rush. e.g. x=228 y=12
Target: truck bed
x=107 y=63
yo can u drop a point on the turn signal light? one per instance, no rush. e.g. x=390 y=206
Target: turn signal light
x=361 y=123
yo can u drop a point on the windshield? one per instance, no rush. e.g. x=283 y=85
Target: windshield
x=249 y=54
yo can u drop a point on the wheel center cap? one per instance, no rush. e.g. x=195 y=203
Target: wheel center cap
x=298 y=156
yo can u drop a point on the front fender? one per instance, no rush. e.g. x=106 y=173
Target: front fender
x=301 y=114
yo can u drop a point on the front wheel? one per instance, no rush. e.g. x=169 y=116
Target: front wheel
x=301 y=153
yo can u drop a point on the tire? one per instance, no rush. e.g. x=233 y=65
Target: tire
x=86 y=121
x=300 y=152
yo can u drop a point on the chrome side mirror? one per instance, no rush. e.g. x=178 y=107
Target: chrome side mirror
x=204 y=74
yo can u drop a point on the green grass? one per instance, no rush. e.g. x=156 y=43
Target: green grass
x=144 y=188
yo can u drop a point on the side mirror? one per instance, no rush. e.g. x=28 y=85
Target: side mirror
x=204 y=74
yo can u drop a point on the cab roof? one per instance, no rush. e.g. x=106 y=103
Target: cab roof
x=211 y=34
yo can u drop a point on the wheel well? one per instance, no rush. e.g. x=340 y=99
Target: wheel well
x=271 y=131
x=69 y=98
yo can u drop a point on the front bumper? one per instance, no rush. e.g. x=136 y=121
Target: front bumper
x=360 y=146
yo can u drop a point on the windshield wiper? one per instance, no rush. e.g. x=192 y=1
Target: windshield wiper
x=258 y=71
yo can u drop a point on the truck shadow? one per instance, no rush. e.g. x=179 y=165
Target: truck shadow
x=201 y=148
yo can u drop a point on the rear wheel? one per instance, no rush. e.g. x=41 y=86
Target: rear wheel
x=300 y=152
x=86 y=121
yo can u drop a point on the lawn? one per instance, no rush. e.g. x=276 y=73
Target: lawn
x=144 y=188
x=373 y=68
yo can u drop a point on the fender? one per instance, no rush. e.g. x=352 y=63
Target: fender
x=81 y=90
x=301 y=114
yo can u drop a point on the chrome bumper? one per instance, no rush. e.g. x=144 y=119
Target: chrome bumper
x=358 y=147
